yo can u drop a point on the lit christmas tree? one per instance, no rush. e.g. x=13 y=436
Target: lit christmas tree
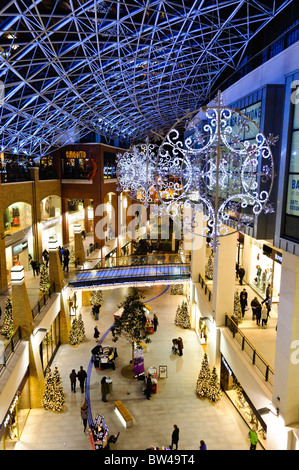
x=7 y=325
x=237 y=307
x=214 y=390
x=48 y=395
x=44 y=282
x=209 y=268
x=182 y=317
x=177 y=289
x=81 y=328
x=202 y=385
x=74 y=337
x=96 y=297
x=58 y=398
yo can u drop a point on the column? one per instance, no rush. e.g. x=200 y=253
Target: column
x=22 y=318
x=286 y=377
x=56 y=276
x=224 y=278
x=198 y=250
x=79 y=247
x=3 y=273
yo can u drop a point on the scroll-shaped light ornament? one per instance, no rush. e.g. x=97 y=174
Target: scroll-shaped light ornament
x=222 y=169
x=135 y=173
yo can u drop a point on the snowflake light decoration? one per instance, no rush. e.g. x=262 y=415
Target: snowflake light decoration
x=135 y=171
x=223 y=168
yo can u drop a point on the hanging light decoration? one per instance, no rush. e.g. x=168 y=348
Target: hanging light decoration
x=219 y=165
x=135 y=171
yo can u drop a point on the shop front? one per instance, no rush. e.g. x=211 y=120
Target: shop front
x=13 y=424
x=50 y=343
x=236 y=394
x=265 y=269
x=76 y=215
x=51 y=220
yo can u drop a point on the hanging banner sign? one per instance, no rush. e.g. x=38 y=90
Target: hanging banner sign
x=293 y=196
x=138 y=361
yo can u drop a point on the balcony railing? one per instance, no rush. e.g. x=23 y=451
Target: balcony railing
x=205 y=287
x=256 y=359
x=43 y=300
x=10 y=348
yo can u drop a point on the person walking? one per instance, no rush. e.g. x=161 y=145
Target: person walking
x=254 y=304
x=241 y=273
x=149 y=385
x=203 y=445
x=104 y=389
x=73 y=377
x=156 y=322
x=180 y=346
x=33 y=265
x=82 y=376
x=84 y=415
x=264 y=316
x=243 y=301
x=175 y=437
x=66 y=258
x=253 y=439
x=96 y=311
x=96 y=333
x=258 y=313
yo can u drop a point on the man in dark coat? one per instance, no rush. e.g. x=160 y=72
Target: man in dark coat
x=175 y=437
x=73 y=377
x=241 y=273
x=148 y=389
x=180 y=346
x=243 y=301
x=82 y=376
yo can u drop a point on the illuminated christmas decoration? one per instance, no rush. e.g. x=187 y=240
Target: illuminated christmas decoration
x=221 y=169
x=135 y=173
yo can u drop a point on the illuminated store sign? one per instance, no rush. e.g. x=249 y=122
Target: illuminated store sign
x=75 y=154
x=293 y=195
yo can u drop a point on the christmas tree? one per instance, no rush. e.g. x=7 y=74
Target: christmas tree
x=58 y=396
x=177 y=289
x=44 y=282
x=81 y=328
x=237 y=306
x=214 y=391
x=182 y=317
x=74 y=337
x=48 y=395
x=96 y=297
x=209 y=268
x=7 y=326
x=202 y=385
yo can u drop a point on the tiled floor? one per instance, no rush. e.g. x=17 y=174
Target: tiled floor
x=175 y=403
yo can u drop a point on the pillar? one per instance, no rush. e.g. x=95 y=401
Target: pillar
x=79 y=247
x=56 y=276
x=224 y=278
x=286 y=377
x=3 y=271
x=22 y=318
x=198 y=250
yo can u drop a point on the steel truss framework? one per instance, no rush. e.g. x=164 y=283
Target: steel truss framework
x=117 y=68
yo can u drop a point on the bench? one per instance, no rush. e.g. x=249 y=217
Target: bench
x=124 y=415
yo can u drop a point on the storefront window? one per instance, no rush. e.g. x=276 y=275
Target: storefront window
x=13 y=424
x=76 y=164
x=51 y=222
x=17 y=217
x=50 y=343
x=265 y=269
x=292 y=196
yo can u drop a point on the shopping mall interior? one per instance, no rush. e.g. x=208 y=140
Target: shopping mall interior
x=150 y=190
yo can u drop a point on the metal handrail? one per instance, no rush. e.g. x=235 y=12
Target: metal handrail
x=205 y=287
x=256 y=358
x=10 y=348
x=43 y=300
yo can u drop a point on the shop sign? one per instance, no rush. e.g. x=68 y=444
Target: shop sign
x=293 y=196
x=50 y=223
x=19 y=248
x=75 y=154
x=272 y=253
